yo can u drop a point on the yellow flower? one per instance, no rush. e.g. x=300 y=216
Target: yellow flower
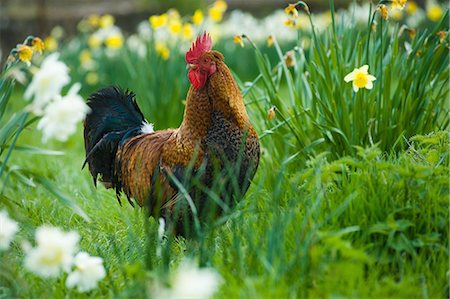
x=221 y=5
x=396 y=14
x=289 y=23
x=114 y=41
x=38 y=45
x=175 y=27
x=188 y=32
x=237 y=39
x=289 y=58
x=271 y=113
x=158 y=21
x=162 y=50
x=411 y=7
x=94 y=20
x=361 y=78
x=383 y=11
x=411 y=32
x=94 y=42
x=398 y=4
x=50 y=43
x=291 y=10
x=197 y=18
x=434 y=12
x=92 y=78
x=442 y=35
x=106 y=21
x=270 y=41
x=85 y=57
x=173 y=14
x=215 y=14
x=25 y=53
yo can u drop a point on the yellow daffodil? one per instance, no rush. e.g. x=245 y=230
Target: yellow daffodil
x=237 y=39
x=383 y=11
x=158 y=21
x=85 y=57
x=270 y=41
x=441 y=35
x=188 y=31
x=162 y=50
x=94 y=42
x=173 y=14
x=291 y=10
x=197 y=18
x=396 y=14
x=215 y=14
x=361 y=78
x=94 y=20
x=50 y=43
x=106 y=21
x=38 y=44
x=114 y=41
x=92 y=78
x=434 y=12
x=25 y=53
x=411 y=8
x=411 y=32
x=398 y=4
x=175 y=27
x=271 y=113
x=289 y=23
x=221 y=5
x=289 y=58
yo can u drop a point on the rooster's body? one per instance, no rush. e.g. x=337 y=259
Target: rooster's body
x=215 y=140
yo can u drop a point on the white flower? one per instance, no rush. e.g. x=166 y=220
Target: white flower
x=192 y=282
x=47 y=83
x=8 y=228
x=88 y=271
x=61 y=116
x=53 y=253
x=361 y=78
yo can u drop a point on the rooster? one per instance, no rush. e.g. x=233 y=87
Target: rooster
x=215 y=143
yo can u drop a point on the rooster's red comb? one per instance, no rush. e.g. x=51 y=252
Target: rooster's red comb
x=201 y=45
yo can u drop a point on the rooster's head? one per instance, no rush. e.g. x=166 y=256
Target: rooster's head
x=201 y=60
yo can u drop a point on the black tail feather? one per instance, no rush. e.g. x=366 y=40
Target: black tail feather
x=114 y=118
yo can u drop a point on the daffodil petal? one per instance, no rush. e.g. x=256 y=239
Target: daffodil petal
x=369 y=85
x=355 y=88
x=364 y=68
x=371 y=78
x=350 y=77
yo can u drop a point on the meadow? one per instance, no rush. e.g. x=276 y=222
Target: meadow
x=351 y=197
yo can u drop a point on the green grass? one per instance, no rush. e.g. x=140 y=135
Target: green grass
x=350 y=198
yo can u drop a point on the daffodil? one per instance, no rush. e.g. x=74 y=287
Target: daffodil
x=38 y=45
x=361 y=78
x=396 y=14
x=158 y=21
x=289 y=58
x=92 y=78
x=434 y=12
x=290 y=23
x=25 y=53
x=383 y=11
x=50 y=43
x=162 y=50
x=221 y=5
x=188 y=31
x=237 y=39
x=175 y=27
x=411 y=7
x=291 y=10
x=8 y=228
x=94 y=41
x=398 y=4
x=114 y=41
x=106 y=21
x=215 y=14
x=197 y=18
x=441 y=35
x=94 y=20
x=269 y=41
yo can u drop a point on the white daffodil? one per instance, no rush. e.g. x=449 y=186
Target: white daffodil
x=62 y=115
x=8 y=228
x=361 y=78
x=47 y=83
x=53 y=253
x=88 y=271
x=191 y=282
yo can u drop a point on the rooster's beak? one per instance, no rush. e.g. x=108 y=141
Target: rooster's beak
x=191 y=66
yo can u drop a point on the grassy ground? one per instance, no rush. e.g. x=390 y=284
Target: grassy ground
x=350 y=198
